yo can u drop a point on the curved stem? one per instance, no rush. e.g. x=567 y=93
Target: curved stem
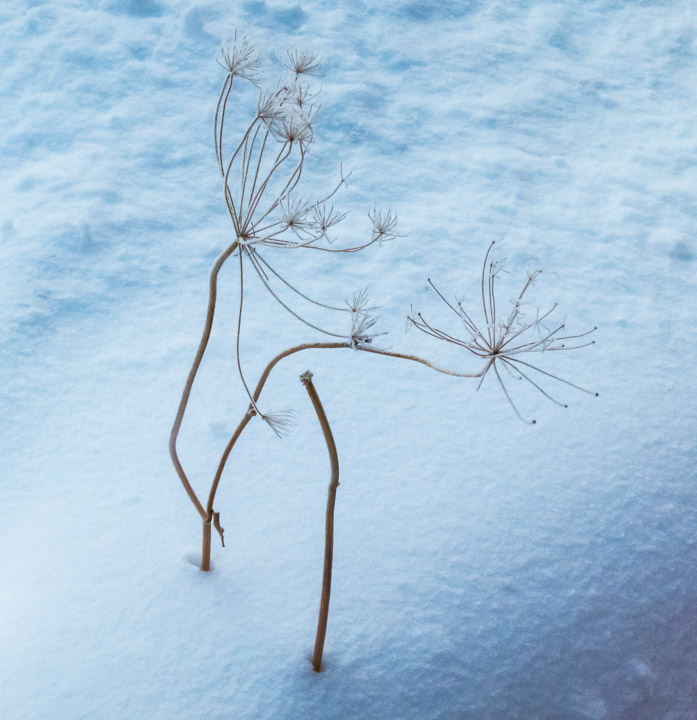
x=265 y=376
x=228 y=448
x=212 y=294
x=239 y=328
x=264 y=281
x=416 y=358
x=306 y=379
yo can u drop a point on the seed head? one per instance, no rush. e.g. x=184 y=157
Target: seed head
x=324 y=219
x=300 y=95
x=361 y=325
x=296 y=128
x=269 y=109
x=280 y=421
x=240 y=58
x=502 y=341
x=359 y=302
x=294 y=214
x=303 y=62
x=384 y=226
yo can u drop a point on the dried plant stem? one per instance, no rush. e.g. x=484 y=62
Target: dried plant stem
x=306 y=379
x=206 y=546
x=212 y=294
x=206 y=552
x=208 y=512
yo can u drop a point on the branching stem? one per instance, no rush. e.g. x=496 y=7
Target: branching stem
x=208 y=512
x=212 y=294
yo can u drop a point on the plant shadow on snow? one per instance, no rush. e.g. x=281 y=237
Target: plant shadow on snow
x=192 y=559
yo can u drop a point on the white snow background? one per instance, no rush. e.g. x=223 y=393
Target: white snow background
x=483 y=568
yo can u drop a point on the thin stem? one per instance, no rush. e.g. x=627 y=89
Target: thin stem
x=508 y=397
x=224 y=93
x=295 y=290
x=486 y=316
x=555 y=377
x=260 y=272
x=239 y=328
x=212 y=294
x=291 y=351
x=236 y=217
x=256 y=198
x=259 y=159
x=206 y=544
x=306 y=379
x=246 y=160
x=206 y=552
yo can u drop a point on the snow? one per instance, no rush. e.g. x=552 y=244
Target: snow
x=483 y=568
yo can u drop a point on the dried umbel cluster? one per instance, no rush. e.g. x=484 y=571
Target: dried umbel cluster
x=261 y=168
x=502 y=340
x=261 y=173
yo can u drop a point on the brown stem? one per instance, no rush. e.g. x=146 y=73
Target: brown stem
x=306 y=379
x=212 y=293
x=206 y=551
x=205 y=562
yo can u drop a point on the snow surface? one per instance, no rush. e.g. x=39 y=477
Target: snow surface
x=483 y=568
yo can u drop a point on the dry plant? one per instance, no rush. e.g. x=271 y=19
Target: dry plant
x=502 y=340
x=260 y=171
x=306 y=379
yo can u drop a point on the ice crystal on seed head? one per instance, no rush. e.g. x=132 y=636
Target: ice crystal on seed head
x=502 y=340
x=362 y=323
x=280 y=421
x=294 y=213
x=303 y=62
x=269 y=109
x=300 y=95
x=240 y=58
x=294 y=129
x=384 y=226
x=359 y=302
x=324 y=219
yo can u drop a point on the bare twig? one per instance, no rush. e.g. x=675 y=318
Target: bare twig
x=306 y=379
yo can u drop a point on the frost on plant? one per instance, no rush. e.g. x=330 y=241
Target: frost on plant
x=261 y=165
x=303 y=62
x=240 y=58
x=261 y=169
x=503 y=339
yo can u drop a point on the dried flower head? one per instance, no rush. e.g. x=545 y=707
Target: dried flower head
x=361 y=326
x=296 y=128
x=325 y=218
x=280 y=421
x=240 y=58
x=269 y=109
x=384 y=226
x=303 y=62
x=359 y=302
x=301 y=95
x=502 y=341
x=294 y=213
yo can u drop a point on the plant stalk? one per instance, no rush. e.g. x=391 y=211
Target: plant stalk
x=306 y=379
x=206 y=550
x=208 y=511
x=212 y=294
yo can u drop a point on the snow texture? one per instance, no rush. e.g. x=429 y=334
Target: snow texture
x=483 y=568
